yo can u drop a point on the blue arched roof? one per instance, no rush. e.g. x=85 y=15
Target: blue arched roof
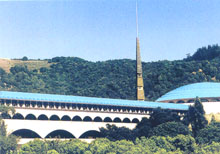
x=88 y=100
x=203 y=89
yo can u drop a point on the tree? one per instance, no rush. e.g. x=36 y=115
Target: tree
x=170 y=129
x=159 y=116
x=114 y=133
x=52 y=152
x=34 y=147
x=24 y=58
x=196 y=116
x=8 y=143
x=213 y=148
x=143 y=127
x=209 y=134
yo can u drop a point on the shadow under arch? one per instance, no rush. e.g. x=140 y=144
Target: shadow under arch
x=42 y=117
x=60 y=134
x=190 y=101
x=18 y=116
x=135 y=120
x=26 y=133
x=66 y=118
x=204 y=100
x=30 y=117
x=117 y=119
x=126 y=120
x=77 y=118
x=87 y=118
x=107 y=119
x=180 y=101
x=91 y=134
x=54 y=117
x=97 y=119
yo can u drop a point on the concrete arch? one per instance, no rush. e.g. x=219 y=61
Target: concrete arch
x=60 y=134
x=126 y=120
x=87 y=118
x=97 y=119
x=91 y=134
x=66 y=118
x=26 y=133
x=42 y=117
x=135 y=120
x=214 y=99
x=18 y=116
x=77 y=118
x=54 y=117
x=117 y=119
x=191 y=101
x=180 y=101
x=204 y=100
x=6 y=116
x=107 y=119
x=30 y=117
x=33 y=104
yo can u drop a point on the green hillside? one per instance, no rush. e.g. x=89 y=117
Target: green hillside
x=113 y=78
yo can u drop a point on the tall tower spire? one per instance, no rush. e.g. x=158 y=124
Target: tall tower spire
x=139 y=77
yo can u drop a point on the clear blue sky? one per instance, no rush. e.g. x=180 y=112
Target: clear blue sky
x=98 y=30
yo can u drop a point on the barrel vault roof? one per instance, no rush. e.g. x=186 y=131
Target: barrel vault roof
x=88 y=100
x=202 y=90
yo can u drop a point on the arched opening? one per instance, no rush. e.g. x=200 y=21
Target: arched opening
x=66 y=118
x=27 y=104
x=180 y=101
x=77 y=118
x=214 y=100
x=91 y=134
x=54 y=117
x=5 y=116
x=97 y=119
x=117 y=119
x=21 y=103
x=33 y=104
x=26 y=133
x=60 y=134
x=14 y=103
x=190 y=101
x=42 y=117
x=30 y=117
x=107 y=119
x=126 y=120
x=204 y=100
x=39 y=104
x=87 y=118
x=135 y=120
x=18 y=116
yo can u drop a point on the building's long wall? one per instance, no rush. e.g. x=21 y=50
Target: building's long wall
x=210 y=107
x=82 y=114
x=43 y=128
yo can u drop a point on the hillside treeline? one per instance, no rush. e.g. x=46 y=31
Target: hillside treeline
x=113 y=78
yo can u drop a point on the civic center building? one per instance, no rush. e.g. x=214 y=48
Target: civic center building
x=50 y=116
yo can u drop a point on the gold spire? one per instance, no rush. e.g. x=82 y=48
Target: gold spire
x=140 y=83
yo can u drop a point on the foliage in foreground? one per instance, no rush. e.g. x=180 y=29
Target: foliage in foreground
x=8 y=143
x=143 y=145
x=181 y=144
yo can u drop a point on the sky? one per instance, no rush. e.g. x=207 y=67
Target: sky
x=99 y=30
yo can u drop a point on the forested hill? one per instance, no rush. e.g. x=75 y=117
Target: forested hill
x=113 y=78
